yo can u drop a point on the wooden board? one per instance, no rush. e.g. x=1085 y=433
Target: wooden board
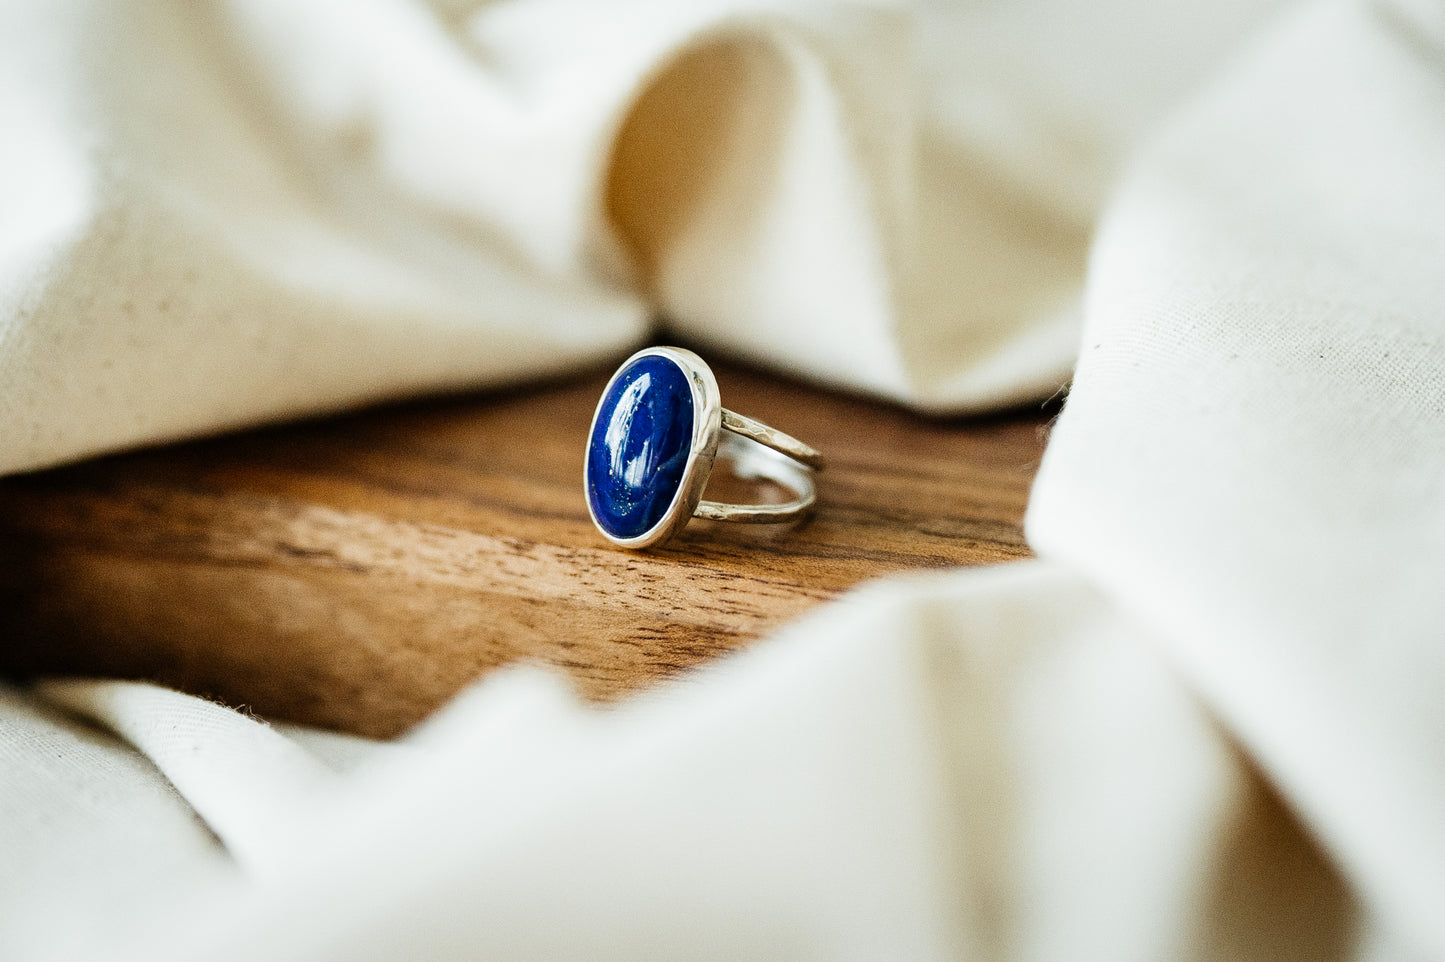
x=353 y=573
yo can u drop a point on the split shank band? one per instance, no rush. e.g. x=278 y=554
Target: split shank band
x=782 y=459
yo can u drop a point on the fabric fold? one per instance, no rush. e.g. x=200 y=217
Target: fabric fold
x=1251 y=458
x=224 y=215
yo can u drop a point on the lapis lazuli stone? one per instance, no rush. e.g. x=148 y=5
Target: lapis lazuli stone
x=639 y=446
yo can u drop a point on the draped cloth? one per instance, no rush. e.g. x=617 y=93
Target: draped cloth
x=1204 y=724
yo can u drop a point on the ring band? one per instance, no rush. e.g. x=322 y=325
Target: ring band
x=657 y=432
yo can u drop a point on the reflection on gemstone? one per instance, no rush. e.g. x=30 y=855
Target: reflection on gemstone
x=639 y=446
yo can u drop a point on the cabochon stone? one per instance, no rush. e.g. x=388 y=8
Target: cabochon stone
x=639 y=446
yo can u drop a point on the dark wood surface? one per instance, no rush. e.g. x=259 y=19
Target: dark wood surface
x=355 y=572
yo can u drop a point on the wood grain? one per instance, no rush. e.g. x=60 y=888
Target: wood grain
x=354 y=573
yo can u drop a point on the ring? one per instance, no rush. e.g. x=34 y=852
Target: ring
x=655 y=435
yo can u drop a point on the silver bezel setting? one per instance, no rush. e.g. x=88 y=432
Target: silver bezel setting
x=706 y=429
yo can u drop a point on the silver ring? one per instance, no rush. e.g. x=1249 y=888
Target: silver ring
x=655 y=436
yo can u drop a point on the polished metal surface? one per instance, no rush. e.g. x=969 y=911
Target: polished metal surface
x=752 y=460
x=756 y=451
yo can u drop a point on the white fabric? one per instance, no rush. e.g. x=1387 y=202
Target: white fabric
x=1205 y=725
x=1283 y=523
x=222 y=213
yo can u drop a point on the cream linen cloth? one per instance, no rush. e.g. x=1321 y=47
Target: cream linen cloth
x=1206 y=724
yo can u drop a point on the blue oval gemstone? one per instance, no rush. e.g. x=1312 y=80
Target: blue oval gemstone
x=639 y=446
